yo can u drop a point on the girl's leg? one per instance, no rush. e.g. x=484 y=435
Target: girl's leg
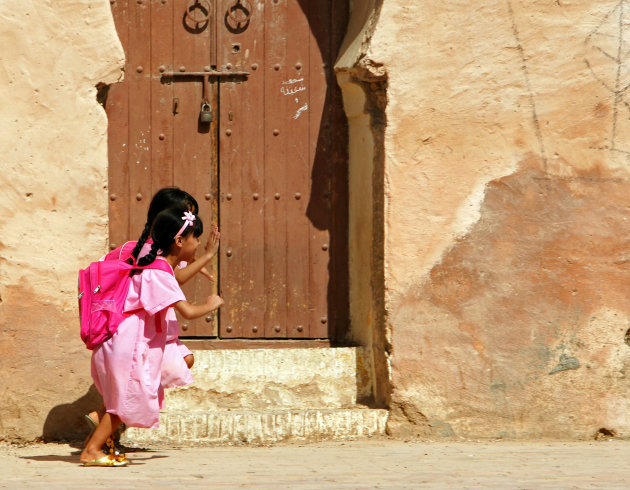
x=95 y=416
x=108 y=424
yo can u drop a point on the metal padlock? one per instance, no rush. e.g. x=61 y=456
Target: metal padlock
x=205 y=116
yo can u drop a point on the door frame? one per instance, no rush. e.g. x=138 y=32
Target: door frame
x=338 y=262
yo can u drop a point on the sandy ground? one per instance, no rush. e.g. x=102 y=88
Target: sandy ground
x=381 y=463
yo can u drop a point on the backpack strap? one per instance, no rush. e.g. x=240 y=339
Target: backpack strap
x=163 y=265
x=121 y=253
x=159 y=264
x=126 y=249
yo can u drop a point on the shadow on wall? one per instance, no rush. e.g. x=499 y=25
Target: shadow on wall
x=65 y=421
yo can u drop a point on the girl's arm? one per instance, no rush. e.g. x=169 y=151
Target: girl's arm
x=190 y=311
x=183 y=275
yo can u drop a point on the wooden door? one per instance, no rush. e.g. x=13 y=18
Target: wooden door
x=270 y=168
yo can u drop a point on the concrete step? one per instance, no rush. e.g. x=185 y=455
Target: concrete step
x=259 y=426
x=274 y=379
x=263 y=396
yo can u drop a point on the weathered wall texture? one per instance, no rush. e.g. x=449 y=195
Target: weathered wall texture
x=363 y=85
x=495 y=135
x=53 y=203
x=507 y=225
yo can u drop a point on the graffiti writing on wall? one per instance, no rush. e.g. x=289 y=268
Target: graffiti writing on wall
x=608 y=59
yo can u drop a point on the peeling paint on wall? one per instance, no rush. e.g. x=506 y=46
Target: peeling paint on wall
x=506 y=216
x=53 y=208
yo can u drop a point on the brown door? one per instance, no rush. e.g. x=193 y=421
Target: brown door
x=270 y=168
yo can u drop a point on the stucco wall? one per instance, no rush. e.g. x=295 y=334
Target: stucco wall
x=363 y=85
x=506 y=216
x=502 y=149
x=53 y=204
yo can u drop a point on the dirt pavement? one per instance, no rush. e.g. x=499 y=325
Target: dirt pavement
x=381 y=463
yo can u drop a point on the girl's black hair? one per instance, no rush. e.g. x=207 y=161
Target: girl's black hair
x=165 y=227
x=165 y=198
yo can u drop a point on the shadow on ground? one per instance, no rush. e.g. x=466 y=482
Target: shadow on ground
x=73 y=458
x=65 y=422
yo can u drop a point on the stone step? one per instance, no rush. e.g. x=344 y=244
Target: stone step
x=275 y=378
x=259 y=427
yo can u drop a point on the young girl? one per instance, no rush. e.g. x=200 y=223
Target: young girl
x=127 y=368
x=163 y=199
x=174 y=373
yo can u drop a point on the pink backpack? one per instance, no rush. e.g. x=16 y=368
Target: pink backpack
x=103 y=288
x=121 y=253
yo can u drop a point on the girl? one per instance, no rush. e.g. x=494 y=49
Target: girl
x=165 y=198
x=127 y=368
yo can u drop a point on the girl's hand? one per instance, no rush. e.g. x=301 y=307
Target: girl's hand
x=190 y=311
x=205 y=272
x=198 y=264
x=215 y=301
x=212 y=246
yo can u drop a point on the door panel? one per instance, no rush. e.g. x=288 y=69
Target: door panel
x=298 y=107
x=319 y=211
x=139 y=80
x=276 y=269
x=275 y=198
x=155 y=138
x=241 y=149
x=117 y=104
x=194 y=157
x=271 y=168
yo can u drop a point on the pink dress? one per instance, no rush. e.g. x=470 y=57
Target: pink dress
x=127 y=369
x=175 y=371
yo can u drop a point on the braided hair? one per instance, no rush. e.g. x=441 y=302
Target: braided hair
x=164 y=198
x=166 y=226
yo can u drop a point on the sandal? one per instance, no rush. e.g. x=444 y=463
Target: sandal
x=107 y=460
x=93 y=425
x=90 y=421
x=109 y=443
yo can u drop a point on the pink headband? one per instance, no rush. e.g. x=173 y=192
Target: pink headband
x=189 y=219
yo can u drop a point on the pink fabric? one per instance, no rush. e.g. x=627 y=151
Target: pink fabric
x=189 y=220
x=183 y=350
x=175 y=371
x=146 y=248
x=127 y=369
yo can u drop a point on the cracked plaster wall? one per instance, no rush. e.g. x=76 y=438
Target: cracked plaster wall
x=506 y=216
x=53 y=204
x=363 y=85
x=505 y=195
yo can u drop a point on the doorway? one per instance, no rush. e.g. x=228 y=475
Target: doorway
x=236 y=102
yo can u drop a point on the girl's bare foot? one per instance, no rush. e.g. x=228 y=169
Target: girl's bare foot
x=95 y=417
x=106 y=427
x=87 y=456
x=92 y=419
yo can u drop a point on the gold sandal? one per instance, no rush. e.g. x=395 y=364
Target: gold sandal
x=107 y=460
